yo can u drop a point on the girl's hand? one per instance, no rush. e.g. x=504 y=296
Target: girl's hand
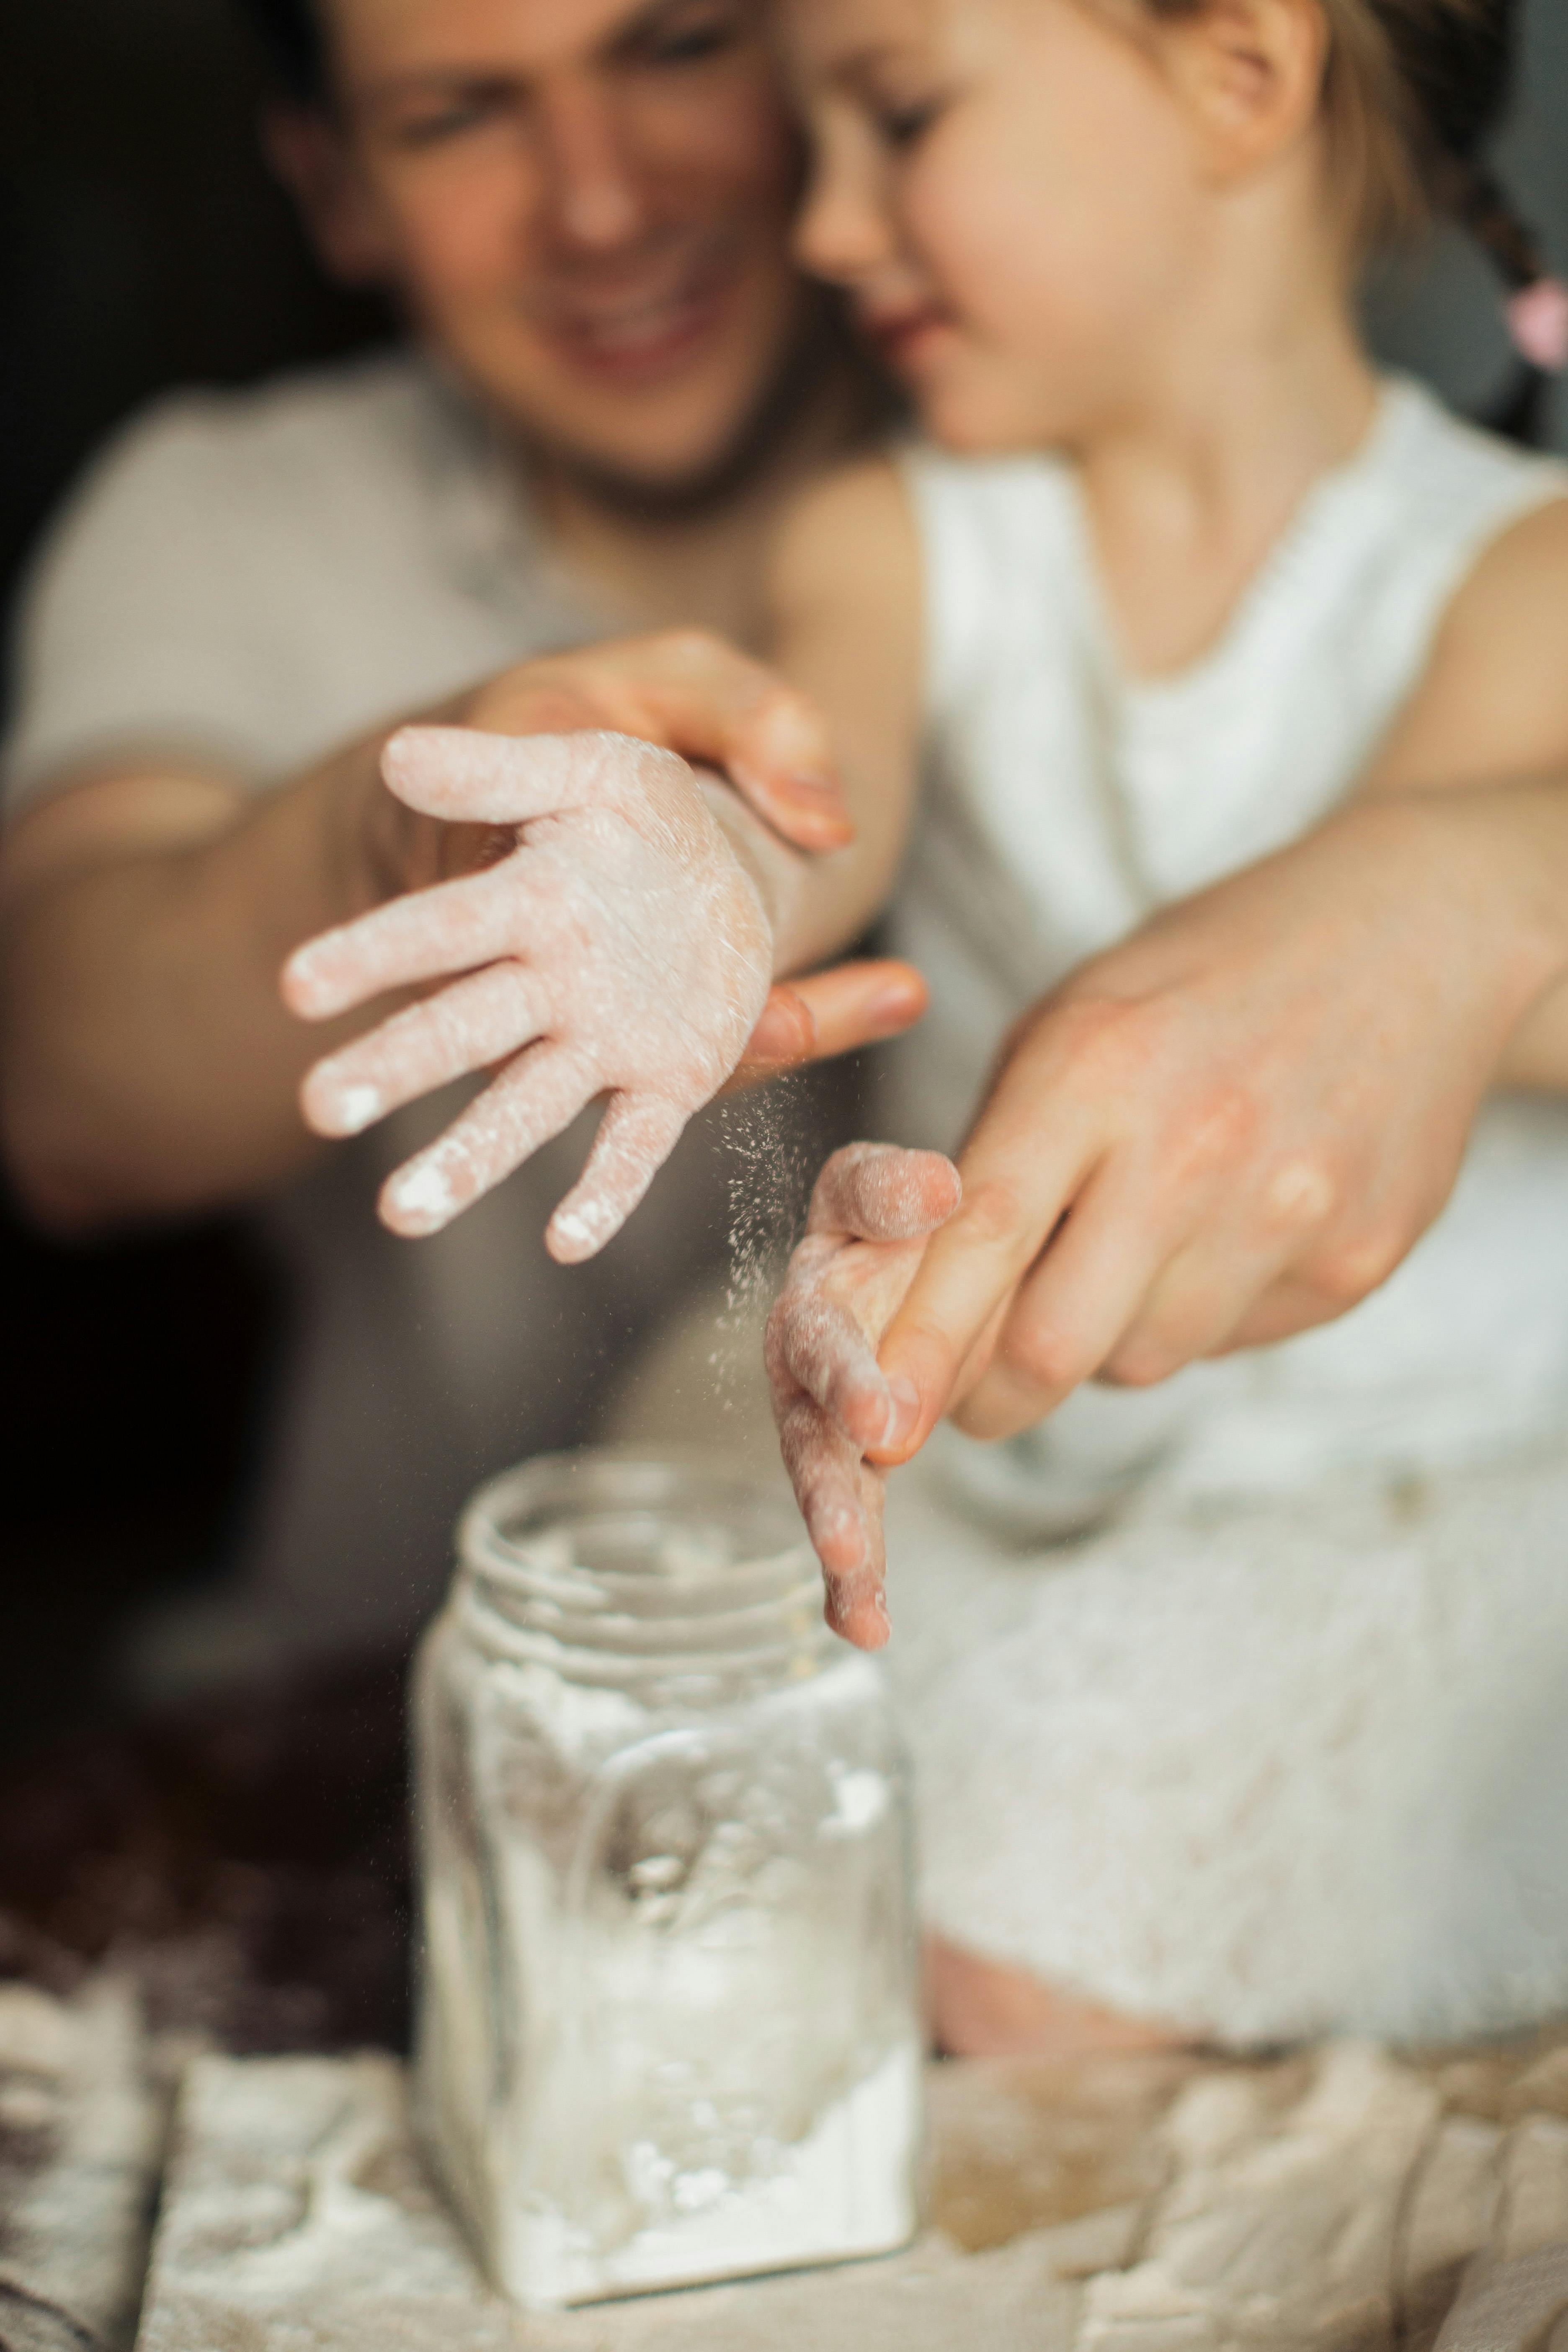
x=870 y=1209
x=615 y=947
x=1232 y=1126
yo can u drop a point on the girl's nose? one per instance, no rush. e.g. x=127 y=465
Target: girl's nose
x=844 y=232
x=596 y=199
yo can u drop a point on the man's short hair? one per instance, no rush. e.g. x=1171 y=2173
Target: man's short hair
x=291 y=32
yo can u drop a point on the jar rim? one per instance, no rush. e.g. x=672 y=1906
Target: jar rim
x=645 y=1555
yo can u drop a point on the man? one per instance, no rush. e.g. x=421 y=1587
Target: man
x=615 y=377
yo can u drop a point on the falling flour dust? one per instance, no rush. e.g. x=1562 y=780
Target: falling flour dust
x=767 y=1139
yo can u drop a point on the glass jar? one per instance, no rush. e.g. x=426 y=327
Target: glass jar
x=669 y=2024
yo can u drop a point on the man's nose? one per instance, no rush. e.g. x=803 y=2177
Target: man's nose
x=594 y=190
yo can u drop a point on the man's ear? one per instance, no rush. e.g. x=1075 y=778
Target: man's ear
x=1250 y=75
x=311 y=157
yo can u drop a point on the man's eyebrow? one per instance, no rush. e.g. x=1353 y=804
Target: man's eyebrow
x=644 y=23
x=420 y=81
x=431 y=81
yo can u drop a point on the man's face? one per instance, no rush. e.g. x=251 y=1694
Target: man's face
x=586 y=205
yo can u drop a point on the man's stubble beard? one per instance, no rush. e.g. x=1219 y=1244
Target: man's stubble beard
x=821 y=360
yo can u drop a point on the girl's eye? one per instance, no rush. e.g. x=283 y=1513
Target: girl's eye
x=904 y=126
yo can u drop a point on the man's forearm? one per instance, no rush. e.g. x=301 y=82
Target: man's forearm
x=1516 y=834
x=146 y=1063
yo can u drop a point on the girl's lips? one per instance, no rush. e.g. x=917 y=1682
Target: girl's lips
x=904 y=336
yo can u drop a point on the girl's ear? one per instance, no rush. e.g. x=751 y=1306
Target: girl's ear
x=311 y=157
x=1251 y=76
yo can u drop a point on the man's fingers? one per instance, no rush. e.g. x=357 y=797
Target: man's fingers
x=478 y=1020
x=716 y=704
x=636 y=1136
x=533 y=1099
x=1014 y=1196
x=880 y=1193
x=830 y=1013
x=454 y=927
x=1194 y=1306
x=1287 y=1306
x=1070 y=1313
x=468 y=777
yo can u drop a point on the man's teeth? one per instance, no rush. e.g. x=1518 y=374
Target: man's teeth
x=636 y=328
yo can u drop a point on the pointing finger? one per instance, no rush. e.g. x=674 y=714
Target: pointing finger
x=1018 y=1183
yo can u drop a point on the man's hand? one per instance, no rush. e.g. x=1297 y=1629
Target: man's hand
x=1232 y=1126
x=870 y=1209
x=828 y=1013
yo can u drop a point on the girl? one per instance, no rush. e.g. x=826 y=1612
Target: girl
x=1231 y=695
x=1273 y=1754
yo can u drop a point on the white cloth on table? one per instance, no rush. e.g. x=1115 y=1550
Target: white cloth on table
x=1189 y=1767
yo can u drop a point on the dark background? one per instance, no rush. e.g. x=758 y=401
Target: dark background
x=143 y=245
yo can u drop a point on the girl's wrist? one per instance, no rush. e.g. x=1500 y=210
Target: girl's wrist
x=770 y=866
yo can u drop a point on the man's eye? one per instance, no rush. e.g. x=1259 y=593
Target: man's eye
x=444 y=122
x=687 y=43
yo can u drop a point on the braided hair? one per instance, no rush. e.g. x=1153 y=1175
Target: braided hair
x=1451 y=70
x=1412 y=92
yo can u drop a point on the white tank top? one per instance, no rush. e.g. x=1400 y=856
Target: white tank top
x=1063 y=802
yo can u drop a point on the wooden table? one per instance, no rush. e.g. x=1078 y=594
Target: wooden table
x=1337 y=2199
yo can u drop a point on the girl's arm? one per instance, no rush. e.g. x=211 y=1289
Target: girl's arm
x=146 y=1064
x=620 y=944
x=1489 y=726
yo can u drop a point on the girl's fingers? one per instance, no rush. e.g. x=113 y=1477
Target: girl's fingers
x=426 y=935
x=476 y=1022
x=814 y=1343
x=534 y=1099
x=841 y=1502
x=468 y=777
x=636 y=1136
x=880 y=1193
x=1071 y=1311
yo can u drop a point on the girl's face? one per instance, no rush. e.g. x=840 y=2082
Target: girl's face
x=1010 y=192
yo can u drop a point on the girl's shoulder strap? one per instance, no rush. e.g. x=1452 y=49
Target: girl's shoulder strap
x=996 y=552
x=1456 y=476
